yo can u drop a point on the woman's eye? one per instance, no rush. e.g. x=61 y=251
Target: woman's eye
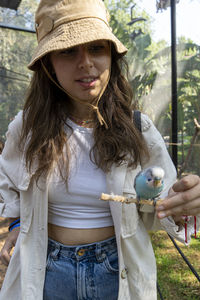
x=69 y=51
x=97 y=48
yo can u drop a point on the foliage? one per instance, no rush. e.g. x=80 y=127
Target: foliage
x=15 y=53
x=121 y=14
x=137 y=39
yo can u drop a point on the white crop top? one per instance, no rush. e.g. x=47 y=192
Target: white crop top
x=79 y=205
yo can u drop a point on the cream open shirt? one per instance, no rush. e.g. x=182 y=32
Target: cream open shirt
x=19 y=195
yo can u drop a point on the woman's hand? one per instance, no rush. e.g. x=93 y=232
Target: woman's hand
x=183 y=199
x=8 y=245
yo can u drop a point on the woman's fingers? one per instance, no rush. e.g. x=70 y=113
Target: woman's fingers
x=189 y=209
x=183 y=200
x=8 y=245
x=186 y=183
x=5 y=255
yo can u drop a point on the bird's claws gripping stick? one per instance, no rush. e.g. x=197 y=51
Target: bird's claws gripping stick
x=117 y=198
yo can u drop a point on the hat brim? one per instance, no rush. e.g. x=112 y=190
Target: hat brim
x=75 y=33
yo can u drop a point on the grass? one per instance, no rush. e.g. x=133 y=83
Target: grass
x=175 y=279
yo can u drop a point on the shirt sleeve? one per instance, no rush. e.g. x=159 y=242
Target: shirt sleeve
x=12 y=178
x=159 y=156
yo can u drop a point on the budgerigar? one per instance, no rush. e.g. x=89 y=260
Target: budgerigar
x=149 y=183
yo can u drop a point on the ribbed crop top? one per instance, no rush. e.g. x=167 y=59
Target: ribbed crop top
x=78 y=206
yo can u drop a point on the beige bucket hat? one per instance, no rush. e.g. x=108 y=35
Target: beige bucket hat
x=63 y=24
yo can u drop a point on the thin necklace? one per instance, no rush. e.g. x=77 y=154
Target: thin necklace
x=80 y=122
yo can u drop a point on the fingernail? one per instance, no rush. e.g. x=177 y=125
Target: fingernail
x=160 y=207
x=161 y=214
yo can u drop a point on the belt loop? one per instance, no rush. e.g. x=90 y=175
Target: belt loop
x=98 y=251
x=100 y=256
x=55 y=252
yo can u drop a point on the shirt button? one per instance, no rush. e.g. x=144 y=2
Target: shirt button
x=124 y=273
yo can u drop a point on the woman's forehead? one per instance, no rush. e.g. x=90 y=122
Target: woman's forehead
x=86 y=45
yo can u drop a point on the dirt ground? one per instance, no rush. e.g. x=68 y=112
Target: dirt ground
x=3 y=234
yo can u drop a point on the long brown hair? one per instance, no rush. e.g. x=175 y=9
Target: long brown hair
x=44 y=121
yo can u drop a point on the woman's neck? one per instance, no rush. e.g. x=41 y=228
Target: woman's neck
x=81 y=112
x=82 y=122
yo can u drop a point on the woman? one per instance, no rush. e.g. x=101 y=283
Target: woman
x=74 y=140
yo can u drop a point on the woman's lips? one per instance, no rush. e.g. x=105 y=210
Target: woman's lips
x=87 y=82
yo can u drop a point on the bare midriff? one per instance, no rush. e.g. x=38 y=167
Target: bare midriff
x=77 y=236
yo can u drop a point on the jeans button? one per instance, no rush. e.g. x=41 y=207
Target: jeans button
x=81 y=252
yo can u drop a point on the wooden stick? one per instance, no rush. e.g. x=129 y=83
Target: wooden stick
x=107 y=197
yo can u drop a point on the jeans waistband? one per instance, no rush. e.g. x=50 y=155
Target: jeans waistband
x=80 y=251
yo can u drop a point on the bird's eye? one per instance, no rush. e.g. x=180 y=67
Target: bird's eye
x=149 y=179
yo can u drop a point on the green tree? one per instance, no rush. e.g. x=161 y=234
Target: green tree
x=137 y=39
x=15 y=53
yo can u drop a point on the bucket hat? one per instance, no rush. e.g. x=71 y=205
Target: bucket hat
x=64 y=24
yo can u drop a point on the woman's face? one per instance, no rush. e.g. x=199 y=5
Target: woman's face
x=83 y=71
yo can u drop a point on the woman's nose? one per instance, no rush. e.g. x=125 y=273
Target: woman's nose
x=85 y=59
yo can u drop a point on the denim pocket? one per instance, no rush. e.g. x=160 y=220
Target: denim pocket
x=111 y=262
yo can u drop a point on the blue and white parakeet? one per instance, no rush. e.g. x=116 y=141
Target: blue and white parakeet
x=149 y=183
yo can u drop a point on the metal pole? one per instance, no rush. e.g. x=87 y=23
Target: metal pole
x=16 y=28
x=174 y=85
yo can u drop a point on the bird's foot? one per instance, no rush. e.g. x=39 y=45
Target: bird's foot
x=154 y=201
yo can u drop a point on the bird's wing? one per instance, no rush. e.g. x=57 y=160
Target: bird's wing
x=138 y=174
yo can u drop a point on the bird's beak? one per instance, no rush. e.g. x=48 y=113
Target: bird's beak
x=157 y=183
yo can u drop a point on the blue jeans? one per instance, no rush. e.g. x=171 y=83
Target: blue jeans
x=84 y=272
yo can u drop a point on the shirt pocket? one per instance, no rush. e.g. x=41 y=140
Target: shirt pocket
x=130 y=219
